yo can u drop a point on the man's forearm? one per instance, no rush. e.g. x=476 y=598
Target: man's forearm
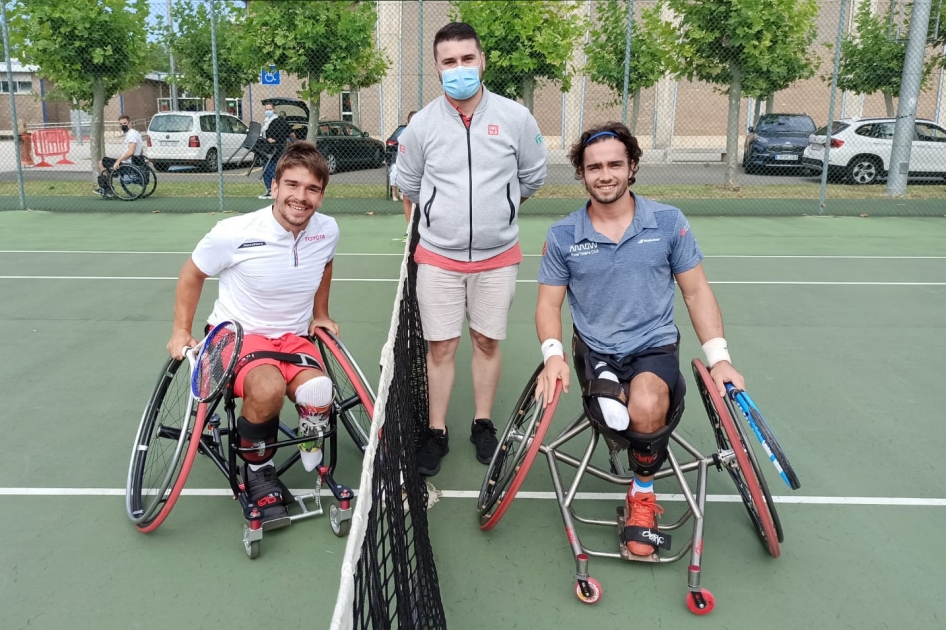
x=320 y=303
x=548 y=323
x=705 y=315
x=189 y=288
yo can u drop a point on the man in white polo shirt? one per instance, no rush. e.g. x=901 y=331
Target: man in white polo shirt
x=275 y=268
x=133 y=154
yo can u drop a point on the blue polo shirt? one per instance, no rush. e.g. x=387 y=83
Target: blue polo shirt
x=621 y=294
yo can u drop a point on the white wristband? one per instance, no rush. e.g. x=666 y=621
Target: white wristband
x=716 y=351
x=552 y=348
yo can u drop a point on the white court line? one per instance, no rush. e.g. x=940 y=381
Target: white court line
x=766 y=282
x=473 y=494
x=360 y=254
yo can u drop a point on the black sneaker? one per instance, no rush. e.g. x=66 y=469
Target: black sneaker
x=431 y=451
x=483 y=435
x=263 y=487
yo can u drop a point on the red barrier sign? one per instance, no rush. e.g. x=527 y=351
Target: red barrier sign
x=51 y=143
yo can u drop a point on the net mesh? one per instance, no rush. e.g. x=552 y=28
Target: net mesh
x=389 y=579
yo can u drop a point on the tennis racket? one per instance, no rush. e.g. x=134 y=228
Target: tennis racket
x=763 y=433
x=213 y=360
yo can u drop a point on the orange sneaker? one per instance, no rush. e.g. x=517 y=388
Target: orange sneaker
x=641 y=511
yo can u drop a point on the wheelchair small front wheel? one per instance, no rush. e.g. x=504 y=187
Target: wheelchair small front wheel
x=700 y=602
x=340 y=525
x=252 y=549
x=591 y=593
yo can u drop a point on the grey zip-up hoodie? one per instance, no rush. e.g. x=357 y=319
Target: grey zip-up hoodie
x=467 y=183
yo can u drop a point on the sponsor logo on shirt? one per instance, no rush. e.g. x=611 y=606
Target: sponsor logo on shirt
x=402 y=148
x=492 y=130
x=684 y=229
x=583 y=249
x=648 y=240
x=545 y=248
x=252 y=244
x=539 y=139
x=317 y=237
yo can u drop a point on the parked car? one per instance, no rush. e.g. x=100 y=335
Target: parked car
x=191 y=138
x=777 y=141
x=861 y=148
x=342 y=143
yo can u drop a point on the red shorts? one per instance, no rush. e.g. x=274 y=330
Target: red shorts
x=288 y=343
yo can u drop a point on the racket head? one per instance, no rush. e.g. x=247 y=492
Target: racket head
x=216 y=361
x=765 y=434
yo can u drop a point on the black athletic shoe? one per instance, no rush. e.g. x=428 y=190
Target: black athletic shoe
x=483 y=435
x=431 y=451
x=263 y=487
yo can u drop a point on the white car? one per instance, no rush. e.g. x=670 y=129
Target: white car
x=191 y=138
x=861 y=148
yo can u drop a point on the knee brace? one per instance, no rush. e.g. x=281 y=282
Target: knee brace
x=258 y=436
x=647 y=451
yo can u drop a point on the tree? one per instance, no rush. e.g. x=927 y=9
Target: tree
x=158 y=59
x=729 y=42
x=329 y=45
x=91 y=50
x=524 y=41
x=872 y=57
x=651 y=51
x=191 y=45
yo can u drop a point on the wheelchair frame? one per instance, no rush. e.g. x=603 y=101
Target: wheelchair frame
x=143 y=172
x=202 y=419
x=523 y=439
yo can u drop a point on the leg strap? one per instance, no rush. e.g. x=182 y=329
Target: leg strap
x=258 y=436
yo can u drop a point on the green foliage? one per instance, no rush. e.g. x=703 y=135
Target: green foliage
x=652 y=50
x=523 y=41
x=329 y=45
x=79 y=43
x=193 y=54
x=872 y=57
x=158 y=59
x=767 y=40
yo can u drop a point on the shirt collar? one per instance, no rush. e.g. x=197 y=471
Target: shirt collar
x=644 y=218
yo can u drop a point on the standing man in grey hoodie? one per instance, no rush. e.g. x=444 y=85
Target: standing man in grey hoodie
x=468 y=160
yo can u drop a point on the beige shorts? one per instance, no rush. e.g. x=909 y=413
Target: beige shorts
x=445 y=296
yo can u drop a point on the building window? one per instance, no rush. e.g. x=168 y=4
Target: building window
x=19 y=87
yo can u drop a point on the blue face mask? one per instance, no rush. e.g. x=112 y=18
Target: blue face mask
x=461 y=82
x=269 y=113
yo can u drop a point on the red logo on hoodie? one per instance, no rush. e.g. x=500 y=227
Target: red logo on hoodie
x=493 y=130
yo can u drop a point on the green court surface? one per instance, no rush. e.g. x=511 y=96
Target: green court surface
x=837 y=323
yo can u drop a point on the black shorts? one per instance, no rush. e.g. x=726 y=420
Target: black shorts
x=108 y=163
x=664 y=361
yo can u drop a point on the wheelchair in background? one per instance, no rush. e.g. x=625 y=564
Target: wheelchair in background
x=524 y=438
x=128 y=182
x=176 y=427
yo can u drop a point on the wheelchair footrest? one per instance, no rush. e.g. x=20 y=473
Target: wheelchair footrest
x=627 y=555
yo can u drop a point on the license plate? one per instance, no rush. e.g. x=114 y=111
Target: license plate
x=787 y=158
x=167 y=143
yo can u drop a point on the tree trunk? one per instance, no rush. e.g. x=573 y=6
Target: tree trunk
x=528 y=92
x=356 y=107
x=770 y=103
x=732 y=127
x=98 y=125
x=757 y=112
x=888 y=101
x=635 y=110
x=315 y=103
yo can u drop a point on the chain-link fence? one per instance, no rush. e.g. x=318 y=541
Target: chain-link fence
x=731 y=100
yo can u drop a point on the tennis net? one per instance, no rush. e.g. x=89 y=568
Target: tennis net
x=388 y=577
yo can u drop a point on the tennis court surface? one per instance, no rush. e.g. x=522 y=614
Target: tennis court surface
x=838 y=324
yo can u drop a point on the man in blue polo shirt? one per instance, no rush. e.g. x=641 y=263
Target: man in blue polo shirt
x=616 y=259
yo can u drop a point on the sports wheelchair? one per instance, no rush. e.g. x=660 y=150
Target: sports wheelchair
x=525 y=437
x=176 y=426
x=129 y=182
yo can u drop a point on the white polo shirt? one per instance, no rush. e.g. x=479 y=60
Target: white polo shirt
x=268 y=278
x=132 y=135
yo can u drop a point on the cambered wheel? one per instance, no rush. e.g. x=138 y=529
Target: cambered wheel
x=163 y=450
x=518 y=446
x=741 y=466
x=354 y=399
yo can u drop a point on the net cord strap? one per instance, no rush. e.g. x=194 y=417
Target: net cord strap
x=342 y=617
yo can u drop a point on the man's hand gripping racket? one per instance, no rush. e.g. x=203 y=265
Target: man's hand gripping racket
x=213 y=360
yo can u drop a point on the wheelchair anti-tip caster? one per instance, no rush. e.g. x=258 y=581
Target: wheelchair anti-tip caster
x=340 y=520
x=588 y=590
x=252 y=534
